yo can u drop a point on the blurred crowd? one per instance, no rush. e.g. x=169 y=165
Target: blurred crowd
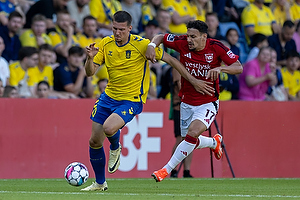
x=42 y=44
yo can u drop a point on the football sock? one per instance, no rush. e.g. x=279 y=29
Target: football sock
x=206 y=142
x=181 y=152
x=114 y=140
x=97 y=159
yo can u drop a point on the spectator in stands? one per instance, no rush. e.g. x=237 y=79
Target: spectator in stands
x=7 y=7
x=103 y=11
x=135 y=10
x=225 y=10
x=276 y=92
x=63 y=37
x=296 y=37
x=201 y=7
x=181 y=13
x=4 y=69
x=78 y=10
x=43 y=90
x=48 y=8
x=258 y=18
x=89 y=34
x=164 y=19
x=36 y=36
x=291 y=76
x=10 y=92
x=295 y=11
x=102 y=83
x=283 y=42
x=282 y=11
x=71 y=77
x=232 y=37
x=258 y=41
x=1 y=88
x=149 y=10
x=212 y=22
x=43 y=71
x=10 y=36
x=19 y=75
x=257 y=77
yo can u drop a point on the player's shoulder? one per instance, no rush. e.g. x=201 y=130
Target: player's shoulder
x=216 y=43
x=137 y=39
x=169 y=37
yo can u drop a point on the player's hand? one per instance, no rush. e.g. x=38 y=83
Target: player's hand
x=91 y=50
x=150 y=54
x=213 y=74
x=204 y=87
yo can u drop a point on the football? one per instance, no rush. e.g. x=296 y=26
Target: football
x=76 y=174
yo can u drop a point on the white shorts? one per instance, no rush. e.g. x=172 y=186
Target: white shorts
x=206 y=113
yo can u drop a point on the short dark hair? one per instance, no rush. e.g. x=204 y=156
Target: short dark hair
x=199 y=25
x=292 y=54
x=122 y=16
x=14 y=14
x=257 y=38
x=76 y=50
x=288 y=23
x=45 y=83
x=46 y=47
x=89 y=17
x=230 y=29
x=27 y=52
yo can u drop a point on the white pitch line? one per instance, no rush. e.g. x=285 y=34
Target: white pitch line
x=136 y=194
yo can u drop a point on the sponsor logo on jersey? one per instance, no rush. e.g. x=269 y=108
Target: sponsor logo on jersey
x=230 y=54
x=189 y=55
x=209 y=57
x=110 y=53
x=170 y=38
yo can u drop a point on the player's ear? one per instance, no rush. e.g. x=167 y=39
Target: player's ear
x=130 y=27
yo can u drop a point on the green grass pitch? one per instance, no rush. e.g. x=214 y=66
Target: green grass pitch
x=134 y=188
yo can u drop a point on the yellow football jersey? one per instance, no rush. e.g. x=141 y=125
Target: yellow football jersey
x=182 y=8
x=295 y=11
x=85 y=41
x=291 y=81
x=127 y=66
x=198 y=16
x=17 y=74
x=59 y=38
x=260 y=19
x=280 y=15
x=103 y=10
x=45 y=75
x=28 y=39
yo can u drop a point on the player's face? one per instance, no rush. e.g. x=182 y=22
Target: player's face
x=196 y=40
x=121 y=32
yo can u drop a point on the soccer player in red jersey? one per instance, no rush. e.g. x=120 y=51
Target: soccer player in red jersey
x=202 y=58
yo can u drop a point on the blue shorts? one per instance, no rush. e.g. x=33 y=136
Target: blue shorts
x=105 y=106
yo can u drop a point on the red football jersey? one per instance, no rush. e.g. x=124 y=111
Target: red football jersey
x=198 y=63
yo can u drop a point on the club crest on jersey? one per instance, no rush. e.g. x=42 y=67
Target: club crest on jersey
x=170 y=38
x=209 y=57
x=230 y=54
x=128 y=54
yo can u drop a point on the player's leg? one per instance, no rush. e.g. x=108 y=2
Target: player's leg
x=97 y=158
x=123 y=114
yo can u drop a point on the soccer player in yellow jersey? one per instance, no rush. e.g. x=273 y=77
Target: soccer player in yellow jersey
x=126 y=91
x=258 y=18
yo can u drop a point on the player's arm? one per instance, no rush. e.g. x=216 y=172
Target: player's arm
x=90 y=66
x=200 y=86
x=235 y=68
x=156 y=41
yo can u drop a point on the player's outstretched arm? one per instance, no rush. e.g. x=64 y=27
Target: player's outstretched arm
x=235 y=68
x=200 y=86
x=90 y=67
x=156 y=41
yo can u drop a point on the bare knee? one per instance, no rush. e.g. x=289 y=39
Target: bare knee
x=108 y=130
x=94 y=143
